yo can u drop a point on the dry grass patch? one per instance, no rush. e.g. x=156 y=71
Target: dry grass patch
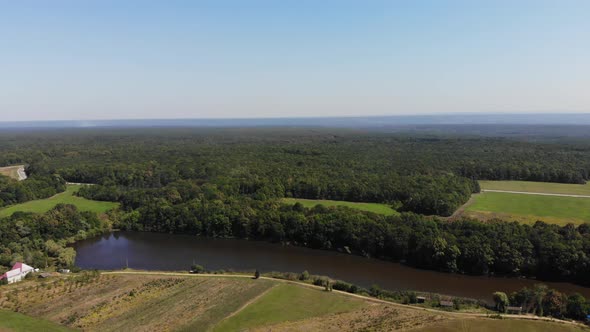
x=139 y=302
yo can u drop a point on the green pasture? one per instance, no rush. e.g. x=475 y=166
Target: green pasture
x=530 y=208
x=13 y=321
x=288 y=302
x=371 y=207
x=537 y=187
x=67 y=197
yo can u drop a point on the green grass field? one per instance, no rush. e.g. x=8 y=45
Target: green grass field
x=67 y=197
x=371 y=207
x=13 y=321
x=537 y=187
x=288 y=302
x=530 y=208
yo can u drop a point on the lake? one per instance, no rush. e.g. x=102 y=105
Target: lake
x=157 y=251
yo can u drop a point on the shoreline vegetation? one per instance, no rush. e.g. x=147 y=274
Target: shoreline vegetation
x=407 y=300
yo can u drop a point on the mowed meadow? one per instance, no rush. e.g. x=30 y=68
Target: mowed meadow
x=66 y=197
x=529 y=208
x=153 y=302
x=378 y=208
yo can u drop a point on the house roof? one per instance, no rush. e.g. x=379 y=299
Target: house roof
x=22 y=267
x=17 y=269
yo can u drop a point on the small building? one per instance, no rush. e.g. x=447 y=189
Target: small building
x=420 y=299
x=447 y=304
x=514 y=310
x=17 y=273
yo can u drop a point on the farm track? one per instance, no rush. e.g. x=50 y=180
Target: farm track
x=366 y=298
x=533 y=193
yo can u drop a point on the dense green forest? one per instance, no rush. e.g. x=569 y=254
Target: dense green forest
x=228 y=183
x=40 y=240
x=37 y=186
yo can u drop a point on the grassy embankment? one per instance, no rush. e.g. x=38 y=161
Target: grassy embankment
x=157 y=301
x=14 y=321
x=528 y=208
x=370 y=207
x=67 y=197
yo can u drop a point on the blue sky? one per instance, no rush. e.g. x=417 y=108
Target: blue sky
x=211 y=59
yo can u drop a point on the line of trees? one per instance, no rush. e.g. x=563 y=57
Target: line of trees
x=543 y=301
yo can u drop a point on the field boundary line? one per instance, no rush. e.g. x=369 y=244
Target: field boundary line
x=248 y=303
x=533 y=193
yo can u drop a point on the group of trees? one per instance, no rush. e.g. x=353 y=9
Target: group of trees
x=543 y=301
x=465 y=246
x=40 y=240
x=35 y=187
x=424 y=174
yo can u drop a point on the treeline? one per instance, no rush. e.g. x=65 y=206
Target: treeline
x=542 y=250
x=34 y=187
x=40 y=240
x=543 y=301
x=427 y=174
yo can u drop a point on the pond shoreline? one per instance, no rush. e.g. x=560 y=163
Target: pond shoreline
x=167 y=252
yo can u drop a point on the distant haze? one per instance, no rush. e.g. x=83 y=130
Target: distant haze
x=228 y=59
x=424 y=121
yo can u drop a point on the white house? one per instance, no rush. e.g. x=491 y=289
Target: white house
x=17 y=273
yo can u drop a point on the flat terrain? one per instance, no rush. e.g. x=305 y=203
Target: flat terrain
x=67 y=197
x=166 y=301
x=530 y=208
x=12 y=171
x=14 y=321
x=537 y=187
x=371 y=207
x=493 y=325
x=288 y=302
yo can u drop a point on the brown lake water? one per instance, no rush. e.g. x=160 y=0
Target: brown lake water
x=157 y=251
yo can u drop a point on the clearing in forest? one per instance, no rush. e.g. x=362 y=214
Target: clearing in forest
x=529 y=208
x=537 y=187
x=378 y=208
x=13 y=171
x=67 y=197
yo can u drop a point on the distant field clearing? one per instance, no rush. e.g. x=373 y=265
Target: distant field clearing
x=13 y=172
x=530 y=208
x=537 y=187
x=370 y=207
x=67 y=197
